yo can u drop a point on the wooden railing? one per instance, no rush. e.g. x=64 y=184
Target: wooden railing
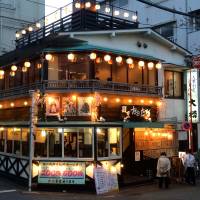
x=84 y=85
x=77 y=21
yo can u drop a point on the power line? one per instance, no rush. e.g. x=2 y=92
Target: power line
x=166 y=8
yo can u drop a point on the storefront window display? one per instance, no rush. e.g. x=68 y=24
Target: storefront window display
x=25 y=142
x=41 y=143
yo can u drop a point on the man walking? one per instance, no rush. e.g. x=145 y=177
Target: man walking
x=163 y=170
x=189 y=163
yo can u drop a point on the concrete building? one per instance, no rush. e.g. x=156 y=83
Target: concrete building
x=14 y=15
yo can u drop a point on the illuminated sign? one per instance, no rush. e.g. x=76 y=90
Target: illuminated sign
x=138 y=113
x=192 y=98
x=61 y=173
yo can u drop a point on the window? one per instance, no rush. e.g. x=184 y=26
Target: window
x=25 y=142
x=173 y=84
x=17 y=141
x=2 y=139
x=41 y=143
x=166 y=30
x=195 y=21
x=108 y=142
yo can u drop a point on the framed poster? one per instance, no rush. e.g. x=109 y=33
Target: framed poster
x=69 y=107
x=84 y=106
x=53 y=106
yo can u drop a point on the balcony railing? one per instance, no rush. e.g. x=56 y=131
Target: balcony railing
x=84 y=85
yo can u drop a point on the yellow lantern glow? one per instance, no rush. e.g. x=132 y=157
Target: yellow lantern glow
x=119 y=59
x=38 y=25
x=30 y=28
x=88 y=4
x=74 y=97
x=150 y=65
x=107 y=58
x=24 y=69
x=39 y=65
x=141 y=101
x=2 y=72
x=141 y=63
x=158 y=65
x=93 y=56
x=71 y=56
x=12 y=73
x=97 y=7
x=48 y=57
x=151 y=102
x=77 y=5
x=129 y=61
x=12 y=104
x=27 y=64
x=130 y=100
x=14 y=68
x=117 y=100
x=105 y=99
x=25 y=103
x=1 y=106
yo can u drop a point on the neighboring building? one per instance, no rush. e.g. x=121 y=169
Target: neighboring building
x=98 y=96
x=16 y=14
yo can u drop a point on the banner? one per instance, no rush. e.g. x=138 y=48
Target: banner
x=61 y=173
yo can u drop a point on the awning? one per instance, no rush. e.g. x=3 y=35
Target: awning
x=87 y=47
x=143 y=125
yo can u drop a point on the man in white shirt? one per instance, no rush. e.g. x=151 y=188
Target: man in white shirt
x=189 y=163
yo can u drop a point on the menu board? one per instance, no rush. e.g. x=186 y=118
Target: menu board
x=105 y=181
x=61 y=173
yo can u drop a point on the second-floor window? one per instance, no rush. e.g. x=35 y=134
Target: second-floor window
x=173 y=84
x=166 y=30
x=195 y=21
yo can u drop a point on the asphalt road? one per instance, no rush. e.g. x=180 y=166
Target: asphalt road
x=10 y=190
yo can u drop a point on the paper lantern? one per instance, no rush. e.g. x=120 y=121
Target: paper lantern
x=129 y=61
x=150 y=65
x=119 y=59
x=93 y=56
x=158 y=65
x=27 y=64
x=107 y=58
x=14 y=68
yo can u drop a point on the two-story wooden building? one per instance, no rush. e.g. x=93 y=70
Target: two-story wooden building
x=79 y=93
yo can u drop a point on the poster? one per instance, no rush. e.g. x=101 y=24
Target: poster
x=137 y=156
x=84 y=106
x=52 y=106
x=105 y=181
x=69 y=106
x=71 y=173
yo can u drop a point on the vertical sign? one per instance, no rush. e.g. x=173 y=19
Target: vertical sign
x=192 y=102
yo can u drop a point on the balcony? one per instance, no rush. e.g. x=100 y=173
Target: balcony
x=85 y=86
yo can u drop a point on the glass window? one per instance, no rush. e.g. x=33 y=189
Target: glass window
x=70 y=142
x=25 y=142
x=102 y=142
x=17 y=141
x=55 y=143
x=114 y=141
x=2 y=139
x=108 y=142
x=9 y=140
x=41 y=143
x=173 y=84
x=85 y=143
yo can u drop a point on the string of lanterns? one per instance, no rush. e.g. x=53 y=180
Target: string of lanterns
x=93 y=56
x=78 y=5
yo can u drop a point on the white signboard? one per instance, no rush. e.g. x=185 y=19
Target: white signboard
x=105 y=181
x=192 y=96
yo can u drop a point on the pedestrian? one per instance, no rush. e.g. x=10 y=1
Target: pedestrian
x=163 y=170
x=189 y=164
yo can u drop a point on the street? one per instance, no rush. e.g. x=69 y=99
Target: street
x=13 y=191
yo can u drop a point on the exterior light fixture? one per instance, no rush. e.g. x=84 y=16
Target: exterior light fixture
x=14 y=68
x=119 y=59
x=77 y=5
x=126 y=14
x=88 y=4
x=17 y=35
x=107 y=9
x=24 y=69
x=12 y=104
x=141 y=101
x=107 y=58
x=2 y=74
x=158 y=65
x=150 y=65
x=71 y=56
x=1 y=106
x=25 y=103
x=30 y=28
x=141 y=63
x=39 y=65
x=129 y=61
x=93 y=56
x=134 y=17
x=97 y=7
x=23 y=31
x=27 y=64
x=48 y=57
x=130 y=100
x=12 y=73
x=117 y=100
x=105 y=99
x=116 y=12
x=38 y=25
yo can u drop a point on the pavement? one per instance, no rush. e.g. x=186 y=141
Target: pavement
x=10 y=190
